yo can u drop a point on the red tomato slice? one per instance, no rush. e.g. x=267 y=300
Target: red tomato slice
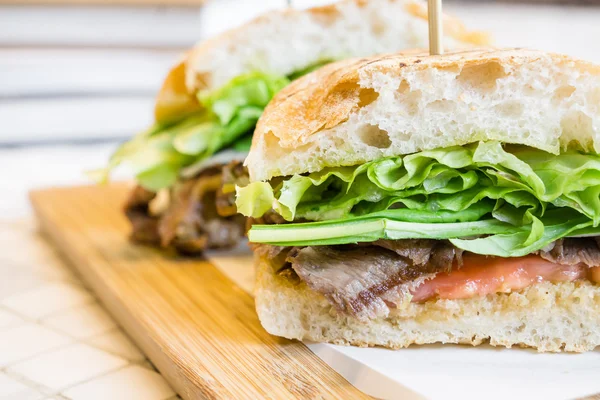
x=481 y=275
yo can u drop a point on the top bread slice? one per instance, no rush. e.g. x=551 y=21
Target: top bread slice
x=285 y=41
x=358 y=110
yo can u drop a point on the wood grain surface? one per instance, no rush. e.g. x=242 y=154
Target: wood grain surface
x=198 y=328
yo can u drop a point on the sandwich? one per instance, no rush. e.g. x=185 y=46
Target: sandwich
x=205 y=113
x=413 y=199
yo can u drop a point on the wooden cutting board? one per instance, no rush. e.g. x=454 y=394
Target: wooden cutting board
x=198 y=328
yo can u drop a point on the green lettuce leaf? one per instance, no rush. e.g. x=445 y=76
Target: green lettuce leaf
x=157 y=155
x=390 y=224
x=250 y=92
x=257 y=199
x=243 y=144
x=536 y=196
x=557 y=224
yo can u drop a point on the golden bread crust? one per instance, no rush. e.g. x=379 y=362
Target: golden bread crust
x=304 y=112
x=174 y=100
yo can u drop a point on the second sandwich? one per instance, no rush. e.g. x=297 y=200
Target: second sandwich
x=210 y=101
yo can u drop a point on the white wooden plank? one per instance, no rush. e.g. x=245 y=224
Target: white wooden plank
x=99 y=26
x=53 y=71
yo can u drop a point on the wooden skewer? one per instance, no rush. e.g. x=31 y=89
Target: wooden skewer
x=434 y=13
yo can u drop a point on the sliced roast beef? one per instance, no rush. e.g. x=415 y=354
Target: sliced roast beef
x=277 y=255
x=137 y=209
x=440 y=253
x=268 y=218
x=573 y=251
x=356 y=278
x=191 y=222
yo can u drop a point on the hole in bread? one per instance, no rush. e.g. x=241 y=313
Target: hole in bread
x=404 y=87
x=575 y=125
x=409 y=99
x=454 y=68
x=562 y=93
x=373 y=136
x=271 y=140
x=594 y=96
x=367 y=96
x=481 y=76
x=412 y=102
x=511 y=109
x=442 y=106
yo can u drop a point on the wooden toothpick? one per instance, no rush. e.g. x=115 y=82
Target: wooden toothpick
x=434 y=12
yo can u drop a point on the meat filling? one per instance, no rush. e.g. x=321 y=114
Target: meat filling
x=137 y=209
x=199 y=215
x=355 y=279
x=367 y=280
x=440 y=253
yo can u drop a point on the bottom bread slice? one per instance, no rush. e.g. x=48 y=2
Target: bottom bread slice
x=546 y=316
